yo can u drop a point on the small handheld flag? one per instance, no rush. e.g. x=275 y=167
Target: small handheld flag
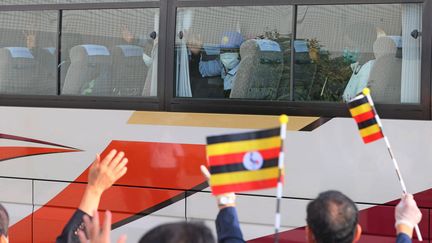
x=244 y=161
x=363 y=112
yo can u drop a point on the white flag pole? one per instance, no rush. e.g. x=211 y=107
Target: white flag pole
x=366 y=92
x=283 y=121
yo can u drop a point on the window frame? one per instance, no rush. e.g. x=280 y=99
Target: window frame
x=166 y=100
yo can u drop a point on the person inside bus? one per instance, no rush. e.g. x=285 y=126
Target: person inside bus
x=102 y=175
x=4 y=225
x=227 y=64
x=209 y=84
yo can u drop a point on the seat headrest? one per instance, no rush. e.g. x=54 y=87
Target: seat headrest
x=96 y=50
x=51 y=50
x=90 y=52
x=268 y=45
x=19 y=52
x=267 y=51
x=384 y=46
x=301 y=46
x=131 y=50
x=211 y=50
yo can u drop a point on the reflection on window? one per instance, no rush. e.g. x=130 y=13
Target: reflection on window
x=109 y=52
x=233 y=52
x=28 y=53
x=341 y=49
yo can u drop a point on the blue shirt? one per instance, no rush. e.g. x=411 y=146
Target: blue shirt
x=229 y=77
x=214 y=68
x=228 y=227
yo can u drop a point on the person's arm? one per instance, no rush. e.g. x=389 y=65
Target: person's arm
x=407 y=216
x=210 y=68
x=102 y=175
x=227 y=224
x=95 y=233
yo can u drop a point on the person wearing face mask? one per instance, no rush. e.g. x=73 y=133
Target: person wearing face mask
x=230 y=59
x=226 y=65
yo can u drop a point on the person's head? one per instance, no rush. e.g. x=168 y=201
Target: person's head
x=229 y=49
x=4 y=224
x=332 y=218
x=181 y=232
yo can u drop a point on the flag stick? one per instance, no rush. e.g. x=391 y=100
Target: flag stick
x=366 y=92
x=283 y=121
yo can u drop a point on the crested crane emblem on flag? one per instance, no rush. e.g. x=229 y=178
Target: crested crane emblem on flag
x=253 y=160
x=244 y=161
x=363 y=112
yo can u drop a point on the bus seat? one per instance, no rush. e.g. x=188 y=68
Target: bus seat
x=128 y=70
x=89 y=72
x=260 y=70
x=385 y=76
x=17 y=65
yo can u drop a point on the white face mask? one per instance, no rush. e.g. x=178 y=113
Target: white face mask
x=230 y=59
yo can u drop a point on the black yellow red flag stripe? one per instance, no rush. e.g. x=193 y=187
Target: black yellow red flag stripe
x=244 y=161
x=364 y=114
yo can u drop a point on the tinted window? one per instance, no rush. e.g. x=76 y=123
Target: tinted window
x=233 y=52
x=342 y=49
x=109 y=52
x=28 y=53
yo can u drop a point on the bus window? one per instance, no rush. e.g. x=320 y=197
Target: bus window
x=28 y=53
x=109 y=52
x=345 y=48
x=233 y=52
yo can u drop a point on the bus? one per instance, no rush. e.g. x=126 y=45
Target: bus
x=154 y=78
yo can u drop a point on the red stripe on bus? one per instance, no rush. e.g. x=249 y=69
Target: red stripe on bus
x=245 y=186
x=373 y=137
x=364 y=116
x=238 y=157
x=12 y=152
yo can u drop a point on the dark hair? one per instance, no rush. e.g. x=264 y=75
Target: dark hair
x=182 y=232
x=332 y=217
x=4 y=221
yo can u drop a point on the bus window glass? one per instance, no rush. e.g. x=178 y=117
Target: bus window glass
x=233 y=52
x=341 y=49
x=109 y=52
x=28 y=53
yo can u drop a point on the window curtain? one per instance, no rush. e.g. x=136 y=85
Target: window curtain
x=150 y=85
x=183 y=86
x=411 y=53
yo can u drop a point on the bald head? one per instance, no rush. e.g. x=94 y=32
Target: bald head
x=332 y=217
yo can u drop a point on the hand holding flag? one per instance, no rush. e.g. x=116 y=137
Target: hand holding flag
x=248 y=161
x=363 y=111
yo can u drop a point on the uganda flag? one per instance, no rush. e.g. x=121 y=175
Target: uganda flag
x=367 y=121
x=244 y=161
